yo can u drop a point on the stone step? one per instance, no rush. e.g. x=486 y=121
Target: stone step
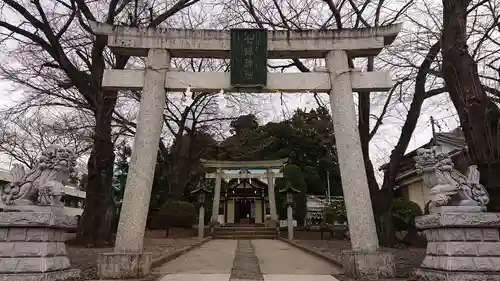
x=270 y=231
x=237 y=237
x=243 y=225
x=238 y=231
x=245 y=232
x=270 y=234
x=231 y=230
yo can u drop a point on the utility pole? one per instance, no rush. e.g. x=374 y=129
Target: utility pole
x=328 y=185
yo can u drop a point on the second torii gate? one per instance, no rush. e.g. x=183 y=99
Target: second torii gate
x=244 y=174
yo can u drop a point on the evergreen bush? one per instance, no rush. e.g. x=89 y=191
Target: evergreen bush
x=174 y=214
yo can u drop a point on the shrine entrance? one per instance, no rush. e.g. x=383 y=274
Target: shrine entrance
x=243 y=211
x=248 y=191
x=249 y=50
x=245 y=201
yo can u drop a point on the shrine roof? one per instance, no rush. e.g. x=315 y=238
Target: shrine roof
x=262 y=164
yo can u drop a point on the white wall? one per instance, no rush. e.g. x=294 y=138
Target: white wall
x=418 y=193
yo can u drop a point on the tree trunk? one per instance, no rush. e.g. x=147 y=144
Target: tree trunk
x=385 y=196
x=385 y=230
x=479 y=116
x=159 y=191
x=96 y=224
x=364 y=136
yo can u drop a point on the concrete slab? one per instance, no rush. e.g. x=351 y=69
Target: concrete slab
x=213 y=258
x=281 y=259
x=299 y=278
x=195 y=277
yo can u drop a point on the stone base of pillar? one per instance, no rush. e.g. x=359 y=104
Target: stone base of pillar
x=112 y=266
x=32 y=246
x=440 y=275
x=44 y=276
x=374 y=265
x=272 y=224
x=461 y=246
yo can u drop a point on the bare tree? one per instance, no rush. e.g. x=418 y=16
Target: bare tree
x=184 y=115
x=342 y=14
x=52 y=46
x=23 y=138
x=414 y=59
x=479 y=115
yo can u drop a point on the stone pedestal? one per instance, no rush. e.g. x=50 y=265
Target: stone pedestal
x=461 y=246
x=364 y=265
x=201 y=222
x=272 y=224
x=112 y=266
x=271 y=195
x=32 y=246
x=216 y=201
x=289 y=222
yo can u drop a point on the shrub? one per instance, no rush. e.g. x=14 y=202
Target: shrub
x=404 y=213
x=174 y=214
x=335 y=213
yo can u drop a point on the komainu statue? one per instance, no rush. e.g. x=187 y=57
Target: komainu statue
x=43 y=185
x=449 y=187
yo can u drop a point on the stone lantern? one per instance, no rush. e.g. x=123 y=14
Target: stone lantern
x=201 y=195
x=290 y=192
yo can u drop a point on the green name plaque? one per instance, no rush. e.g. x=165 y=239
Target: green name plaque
x=248 y=58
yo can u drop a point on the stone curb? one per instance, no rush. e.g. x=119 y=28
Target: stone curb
x=312 y=252
x=161 y=260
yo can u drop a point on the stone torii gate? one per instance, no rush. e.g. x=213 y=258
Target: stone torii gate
x=244 y=166
x=160 y=45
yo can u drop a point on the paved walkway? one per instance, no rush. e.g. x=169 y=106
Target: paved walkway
x=245 y=260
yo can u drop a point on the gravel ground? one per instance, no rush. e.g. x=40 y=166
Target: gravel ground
x=406 y=260
x=246 y=264
x=86 y=258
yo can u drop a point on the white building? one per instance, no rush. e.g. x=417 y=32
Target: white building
x=316 y=205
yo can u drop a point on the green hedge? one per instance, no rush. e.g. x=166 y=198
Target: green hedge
x=403 y=213
x=174 y=214
x=335 y=213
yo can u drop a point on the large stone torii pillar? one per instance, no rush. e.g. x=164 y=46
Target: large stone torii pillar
x=128 y=259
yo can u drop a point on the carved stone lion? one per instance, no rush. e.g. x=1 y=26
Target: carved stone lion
x=449 y=187
x=43 y=185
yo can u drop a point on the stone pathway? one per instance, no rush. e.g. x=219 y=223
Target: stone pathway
x=246 y=264
x=247 y=260
x=212 y=261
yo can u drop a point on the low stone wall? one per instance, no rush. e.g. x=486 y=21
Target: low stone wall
x=304 y=234
x=176 y=233
x=406 y=259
